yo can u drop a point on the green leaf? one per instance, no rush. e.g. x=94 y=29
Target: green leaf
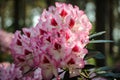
x=89 y=66
x=91 y=54
x=110 y=74
x=74 y=78
x=94 y=54
x=101 y=41
x=66 y=76
x=99 y=56
x=97 y=34
x=105 y=68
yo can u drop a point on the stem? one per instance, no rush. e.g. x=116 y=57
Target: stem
x=82 y=74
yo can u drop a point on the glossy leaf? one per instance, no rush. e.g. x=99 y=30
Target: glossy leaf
x=97 y=34
x=94 y=54
x=89 y=66
x=110 y=74
x=99 y=56
x=105 y=68
x=66 y=76
x=100 y=41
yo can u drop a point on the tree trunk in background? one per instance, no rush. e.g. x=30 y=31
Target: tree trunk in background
x=50 y=3
x=19 y=14
x=0 y=15
x=104 y=22
x=100 y=26
x=80 y=3
x=109 y=28
x=16 y=15
x=2 y=6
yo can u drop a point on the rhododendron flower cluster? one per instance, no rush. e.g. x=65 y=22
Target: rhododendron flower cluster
x=10 y=72
x=5 y=40
x=57 y=42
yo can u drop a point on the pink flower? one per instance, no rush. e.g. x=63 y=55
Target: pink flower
x=57 y=41
x=36 y=75
x=10 y=72
x=5 y=40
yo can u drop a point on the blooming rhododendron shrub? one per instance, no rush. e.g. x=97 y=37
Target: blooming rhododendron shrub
x=56 y=42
